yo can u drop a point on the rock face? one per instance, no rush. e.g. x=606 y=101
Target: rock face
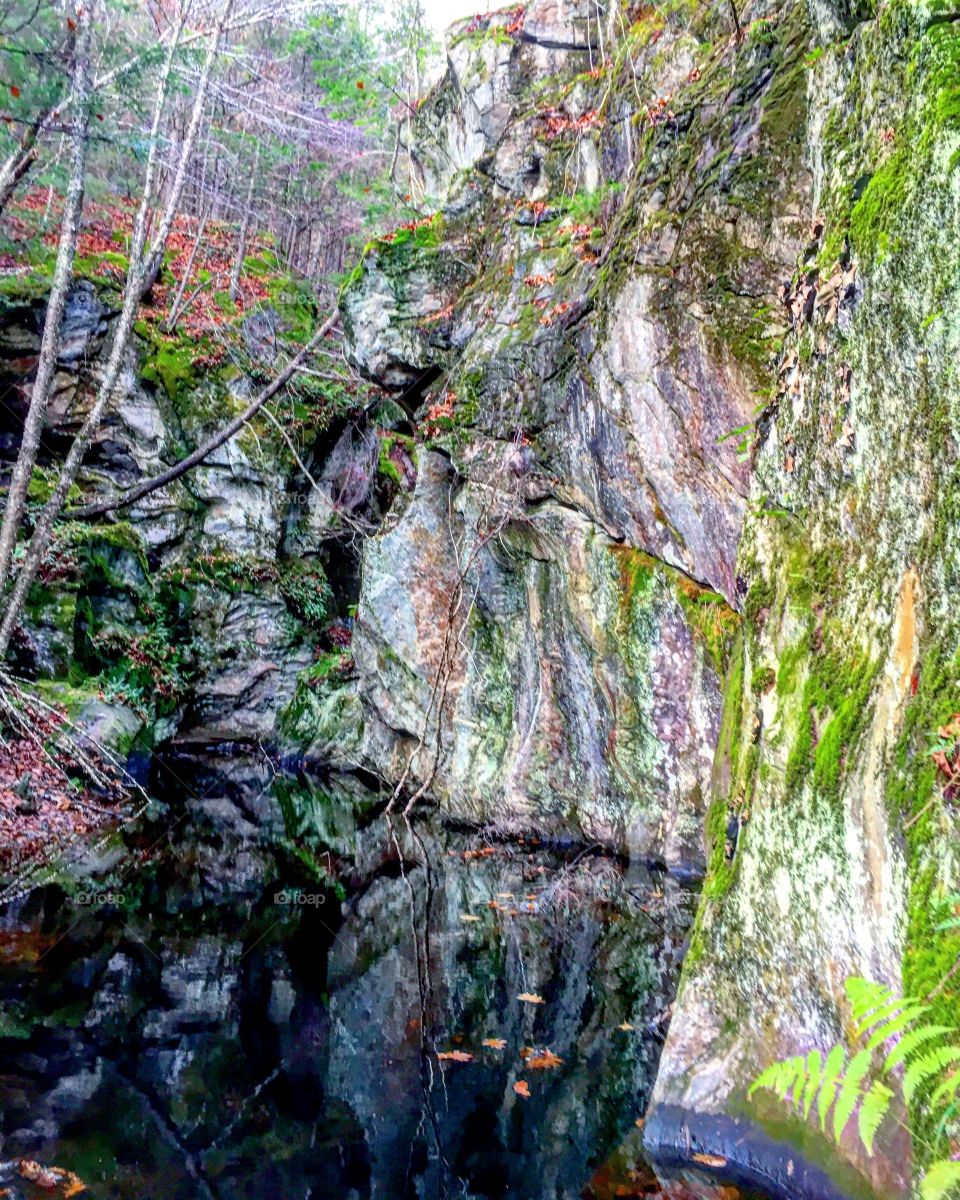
x=697 y=241
x=542 y=626
x=848 y=664
x=187 y=612
x=575 y=690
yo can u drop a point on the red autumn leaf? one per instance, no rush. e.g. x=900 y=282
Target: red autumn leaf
x=522 y=1088
x=360 y=85
x=14 y=90
x=71 y=24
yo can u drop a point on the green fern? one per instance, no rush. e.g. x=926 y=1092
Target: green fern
x=842 y=1086
x=921 y=1070
x=941 y=1180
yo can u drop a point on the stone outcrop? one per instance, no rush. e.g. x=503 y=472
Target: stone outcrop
x=696 y=241
x=542 y=626
x=848 y=833
x=199 y=580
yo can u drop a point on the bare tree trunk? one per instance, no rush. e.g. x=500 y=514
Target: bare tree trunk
x=63 y=272
x=154 y=259
x=19 y=162
x=244 y=227
x=40 y=540
x=131 y=495
x=24 y=154
x=175 y=309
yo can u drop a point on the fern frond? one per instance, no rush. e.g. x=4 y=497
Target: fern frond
x=890 y=1009
x=923 y=1069
x=838 y=1084
x=850 y=1092
x=908 y=1017
x=872 y=1111
x=865 y=996
x=946 y=1092
x=941 y=1180
x=913 y=1041
x=780 y=1077
x=833 y=1068
x=814 y=1073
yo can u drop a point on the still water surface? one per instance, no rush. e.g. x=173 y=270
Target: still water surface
x=215 y=1020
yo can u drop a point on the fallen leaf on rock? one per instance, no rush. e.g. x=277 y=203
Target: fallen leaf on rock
x=36 y=1173
x=522 y=1088
x=640 y=1122
x=530 y=998
x=709 y=1160
x=495 y=1043
x=545 y=1061
x=454 y=1056
x=75 y=1185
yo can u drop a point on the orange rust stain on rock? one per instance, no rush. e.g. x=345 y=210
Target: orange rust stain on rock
x=905 y=632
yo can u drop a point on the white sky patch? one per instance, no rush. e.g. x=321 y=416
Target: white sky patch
x=441 y=13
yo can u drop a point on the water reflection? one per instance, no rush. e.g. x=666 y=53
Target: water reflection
x=273 y=992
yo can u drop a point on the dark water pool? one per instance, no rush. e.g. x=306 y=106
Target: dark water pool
x=456 y=1016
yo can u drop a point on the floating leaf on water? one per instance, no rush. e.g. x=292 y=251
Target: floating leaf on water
x=545 y=1061
x=495 y=1043
x=530 y=998
x=625 y=1026
x=522 y=1088
x=460 y=1056
x=468 y=917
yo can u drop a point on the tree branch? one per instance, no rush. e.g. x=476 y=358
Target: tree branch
x=144 y=488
